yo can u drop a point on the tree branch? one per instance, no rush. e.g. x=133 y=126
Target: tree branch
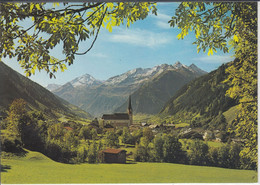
x=95 y=36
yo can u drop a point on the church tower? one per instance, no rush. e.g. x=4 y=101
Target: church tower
x=130 y=111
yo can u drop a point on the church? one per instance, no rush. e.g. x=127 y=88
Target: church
x=119 y=120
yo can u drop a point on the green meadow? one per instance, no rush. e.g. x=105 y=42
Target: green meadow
x=36 y=168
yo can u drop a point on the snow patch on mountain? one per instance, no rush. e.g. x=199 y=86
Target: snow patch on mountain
x=138 y=75
x=85 y=80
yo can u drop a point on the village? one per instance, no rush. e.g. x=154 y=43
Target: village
x=123 y=123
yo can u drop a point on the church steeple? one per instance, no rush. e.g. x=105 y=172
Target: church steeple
x=130 y=111
x=129 y=105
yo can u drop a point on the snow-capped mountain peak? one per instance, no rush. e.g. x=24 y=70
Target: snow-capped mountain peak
x=85 y=80
x=138 y=75
x=179 y=65
x=134 y=76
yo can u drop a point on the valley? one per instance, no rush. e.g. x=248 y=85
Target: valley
x=175 y=117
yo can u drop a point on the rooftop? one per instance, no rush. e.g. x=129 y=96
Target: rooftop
x=113 y=151
x=116 y=116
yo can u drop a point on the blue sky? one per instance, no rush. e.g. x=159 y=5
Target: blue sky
x=146 y=43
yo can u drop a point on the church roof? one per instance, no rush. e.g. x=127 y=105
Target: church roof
x=116 y=116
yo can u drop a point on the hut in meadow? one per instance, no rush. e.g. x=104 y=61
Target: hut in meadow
x=113 y=156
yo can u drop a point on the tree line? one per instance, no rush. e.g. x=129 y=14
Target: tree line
x=77 y=143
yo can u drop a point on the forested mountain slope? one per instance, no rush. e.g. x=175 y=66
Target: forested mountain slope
x=201 y=102
x=14 y=86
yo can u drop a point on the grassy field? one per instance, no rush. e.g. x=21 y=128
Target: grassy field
x=210 y=143
x=36 y=168
x=181 y=125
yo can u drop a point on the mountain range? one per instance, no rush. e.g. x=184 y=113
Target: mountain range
x=98 y=97
x=14 y=86
x=153 y=94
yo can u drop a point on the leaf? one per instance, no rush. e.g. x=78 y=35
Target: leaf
x=56 y=4
x=235 y=38
x=210 y=52
x=109 y=27
x=38 y=7
x=31 y=7
x=179 y=36
x=28 y=73
x=77 y=16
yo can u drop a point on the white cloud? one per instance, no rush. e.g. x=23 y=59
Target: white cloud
x=162 y=21
x=163 y=25
x=140 y=37
x=215 y=59
x=163 y=17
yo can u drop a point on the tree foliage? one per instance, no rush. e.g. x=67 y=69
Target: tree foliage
x=111 y=139
x=67 y=24
x=226 y=25
x=199 y=152
x=16 y=117
x=126 y=136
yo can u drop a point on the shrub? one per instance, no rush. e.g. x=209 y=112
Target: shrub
x=199 y=153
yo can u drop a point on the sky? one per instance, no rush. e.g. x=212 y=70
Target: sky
x=145 y=44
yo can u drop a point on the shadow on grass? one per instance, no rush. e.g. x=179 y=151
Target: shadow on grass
x=4 y=168
x=130 y=162
x=127 y=162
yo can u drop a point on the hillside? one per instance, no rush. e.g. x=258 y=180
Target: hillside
x=35 y=168
x=13 y=86
x=105 y=97
x=202 y=102
x=151 y=96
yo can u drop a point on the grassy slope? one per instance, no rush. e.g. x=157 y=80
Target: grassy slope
x=231 y=114
x=210 y=143
x=36 y=168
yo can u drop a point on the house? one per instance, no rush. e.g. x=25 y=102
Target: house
x=154 y=126
x=113 y=156
x=119 y=120
x=144 y=124
x=208 y=135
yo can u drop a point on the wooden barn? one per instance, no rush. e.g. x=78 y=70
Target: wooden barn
x=113 y=156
